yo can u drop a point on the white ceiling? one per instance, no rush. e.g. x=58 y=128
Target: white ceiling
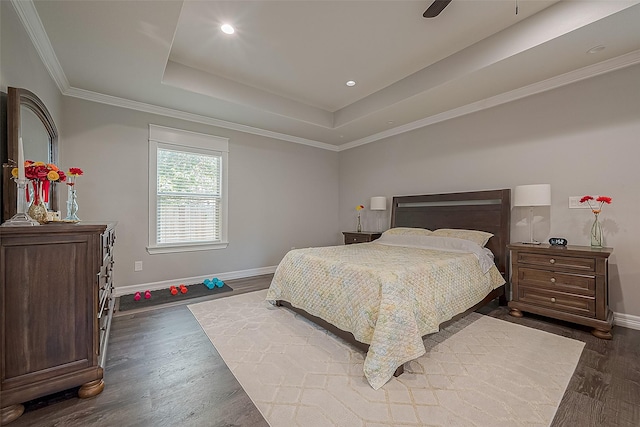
x=283 y=72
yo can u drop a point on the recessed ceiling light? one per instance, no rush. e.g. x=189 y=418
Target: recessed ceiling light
x=390 y=122
x=351 y=83
x=596 y=49
x=227 y=29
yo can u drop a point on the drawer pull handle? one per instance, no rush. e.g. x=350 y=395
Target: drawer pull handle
x=553 y=300
x=552 y=261
x=553 y=280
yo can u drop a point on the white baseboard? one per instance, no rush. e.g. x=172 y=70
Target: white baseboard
x=627 y=321
x=165 y=284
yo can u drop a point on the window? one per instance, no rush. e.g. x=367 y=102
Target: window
x=187 y=191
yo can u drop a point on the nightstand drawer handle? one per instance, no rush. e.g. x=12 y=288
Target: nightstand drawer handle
x=553 y=280
x=552 y=261
x=553 y=300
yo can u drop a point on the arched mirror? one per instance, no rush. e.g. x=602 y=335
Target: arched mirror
x=29 y=119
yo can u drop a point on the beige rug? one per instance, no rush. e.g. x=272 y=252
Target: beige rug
x=479 y=371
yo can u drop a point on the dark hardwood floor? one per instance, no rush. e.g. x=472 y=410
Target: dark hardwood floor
x=605 y=388
x=162 y=370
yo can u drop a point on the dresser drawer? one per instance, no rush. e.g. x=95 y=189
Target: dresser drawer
x=582 y=284
x=556 y=262
x=566 y=303
x=108 y=241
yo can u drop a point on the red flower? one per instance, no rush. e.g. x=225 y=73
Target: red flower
x=601 y=199
x=75 y=171
x=585 y=198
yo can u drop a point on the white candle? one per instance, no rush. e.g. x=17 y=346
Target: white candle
x=20 y=159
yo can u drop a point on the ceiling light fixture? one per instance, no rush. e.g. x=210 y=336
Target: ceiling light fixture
x=227 y=29
x=596 y=49
x=351 y=83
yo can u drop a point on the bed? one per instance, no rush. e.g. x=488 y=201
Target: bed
x=385 y=296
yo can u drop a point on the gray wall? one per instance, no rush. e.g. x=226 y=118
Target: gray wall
x=20 y=65
x=281 y=194
x=581 y=139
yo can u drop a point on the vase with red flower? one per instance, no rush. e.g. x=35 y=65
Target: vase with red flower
x=38 y=209
x=596 y=207
x=41 y=175
x=359 y=223
x=72 y=198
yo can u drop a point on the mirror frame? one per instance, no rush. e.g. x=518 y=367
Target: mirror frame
x=18 y=97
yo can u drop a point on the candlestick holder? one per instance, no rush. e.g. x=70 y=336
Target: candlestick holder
x=21 y=218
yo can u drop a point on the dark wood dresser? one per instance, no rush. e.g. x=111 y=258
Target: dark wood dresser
x=567 y=283
x=351 y=237
x=56 y=301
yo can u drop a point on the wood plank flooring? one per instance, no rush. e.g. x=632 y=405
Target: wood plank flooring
x=162 y=370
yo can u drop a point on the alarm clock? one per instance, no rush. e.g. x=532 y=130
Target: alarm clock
x=558 y=241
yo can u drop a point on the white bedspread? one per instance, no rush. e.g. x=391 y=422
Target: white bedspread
x=387 y=296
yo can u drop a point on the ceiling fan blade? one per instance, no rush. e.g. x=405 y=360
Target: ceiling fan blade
x=436 y=7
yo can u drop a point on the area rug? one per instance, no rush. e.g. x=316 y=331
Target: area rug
x=479 y=371
x=164 y=296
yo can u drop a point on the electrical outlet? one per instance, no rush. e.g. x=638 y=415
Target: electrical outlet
x=574 y=203
x=137 y=266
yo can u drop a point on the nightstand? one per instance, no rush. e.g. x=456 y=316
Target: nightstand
x=351 y=237
x=568 y=283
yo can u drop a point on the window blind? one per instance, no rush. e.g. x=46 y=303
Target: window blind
x=188 y=197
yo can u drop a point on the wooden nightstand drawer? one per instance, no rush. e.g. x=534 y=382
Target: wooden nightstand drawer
x=554 y=280
x=566 y=303
x=556 y=261
x=359 y=237
x=355 y=238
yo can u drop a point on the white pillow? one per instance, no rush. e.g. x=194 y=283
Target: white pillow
x=476 y=236
x=449 y=244
x=407 y=231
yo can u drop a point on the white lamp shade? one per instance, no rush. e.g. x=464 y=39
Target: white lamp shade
x=532 y=195
x=379 y=203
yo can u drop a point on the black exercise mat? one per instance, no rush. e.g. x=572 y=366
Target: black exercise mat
x=163 y=296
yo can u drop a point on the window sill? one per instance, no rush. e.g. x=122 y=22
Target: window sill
x=166 y=249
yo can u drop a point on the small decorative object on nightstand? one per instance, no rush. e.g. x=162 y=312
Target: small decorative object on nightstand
x=359 y=225
x=568 y=283
x=351 y=237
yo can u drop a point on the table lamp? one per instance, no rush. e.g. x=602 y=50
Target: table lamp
x=532 y=195
x=378 y=204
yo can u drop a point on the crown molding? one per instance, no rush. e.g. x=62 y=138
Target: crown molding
x=178 y=114
x=584 y=73
x=33 y=25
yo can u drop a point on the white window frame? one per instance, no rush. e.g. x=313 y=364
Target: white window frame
x=177 y=139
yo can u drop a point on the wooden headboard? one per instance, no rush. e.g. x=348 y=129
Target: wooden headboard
x=488 y=211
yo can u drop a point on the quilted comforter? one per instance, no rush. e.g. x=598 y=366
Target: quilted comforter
x=387 y=296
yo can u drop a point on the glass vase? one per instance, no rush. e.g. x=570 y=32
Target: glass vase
x=72 y=204
x=596 y=234
x=359 y=226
